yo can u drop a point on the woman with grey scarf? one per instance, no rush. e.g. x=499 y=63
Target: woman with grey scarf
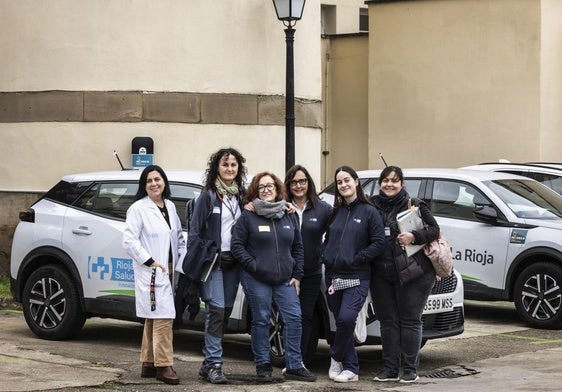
x=267 y=243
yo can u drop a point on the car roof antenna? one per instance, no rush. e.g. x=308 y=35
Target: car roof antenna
x=119 y=160
x=383 y=161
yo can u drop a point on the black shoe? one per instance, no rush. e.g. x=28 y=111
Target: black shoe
x=203 y=372
x=409 y=377
x=300 y=374
x=264 y=372
x=386 y=375
x=215 y=374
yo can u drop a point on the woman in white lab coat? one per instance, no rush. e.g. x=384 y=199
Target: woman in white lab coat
x=153 y=238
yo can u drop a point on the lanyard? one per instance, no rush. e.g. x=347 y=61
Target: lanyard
x=233 y=209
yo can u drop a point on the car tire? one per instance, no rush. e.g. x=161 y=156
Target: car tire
x=276 y=343
x=51 y=304
x=538 y=295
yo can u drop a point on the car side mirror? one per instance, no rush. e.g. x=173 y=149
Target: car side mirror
x=486 y=214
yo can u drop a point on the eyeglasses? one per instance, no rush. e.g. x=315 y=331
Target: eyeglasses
x=266 y=187
x=301 y=182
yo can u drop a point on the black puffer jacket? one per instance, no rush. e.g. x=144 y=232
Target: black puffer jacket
x=390 y=261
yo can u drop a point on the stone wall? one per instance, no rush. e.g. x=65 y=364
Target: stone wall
x=11 y=203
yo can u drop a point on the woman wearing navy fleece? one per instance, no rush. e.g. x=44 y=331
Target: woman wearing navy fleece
x=267 y=243
x=355 y=237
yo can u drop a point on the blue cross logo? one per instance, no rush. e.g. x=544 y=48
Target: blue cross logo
x=98 y=267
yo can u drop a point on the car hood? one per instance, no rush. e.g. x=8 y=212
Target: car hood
x=551 y=224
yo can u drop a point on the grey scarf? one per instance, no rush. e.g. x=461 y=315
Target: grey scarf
x=270 y=210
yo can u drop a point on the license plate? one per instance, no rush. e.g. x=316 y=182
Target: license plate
x=438 y=304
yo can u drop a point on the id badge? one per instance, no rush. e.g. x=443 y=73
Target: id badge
x=387 y=231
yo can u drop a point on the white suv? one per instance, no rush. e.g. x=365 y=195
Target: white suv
x=67 y=264
x=505 y=232
x=548 y=173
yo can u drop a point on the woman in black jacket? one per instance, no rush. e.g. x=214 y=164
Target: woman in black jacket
x=215 y=213
x=400 y=285
x=267 y=243
x=314 y=215
x=355 y=237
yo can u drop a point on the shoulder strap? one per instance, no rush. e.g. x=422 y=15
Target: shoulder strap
x=415 y=202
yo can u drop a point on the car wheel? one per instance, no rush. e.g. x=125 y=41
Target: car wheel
x=276 y=343
x=51 y=305
x=538 y=295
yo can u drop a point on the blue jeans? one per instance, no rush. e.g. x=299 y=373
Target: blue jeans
x=399 y=308
x=345 y=306
x=260 y=298
x=218 y=293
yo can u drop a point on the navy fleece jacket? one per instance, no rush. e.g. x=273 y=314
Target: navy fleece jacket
x=269 y=249
x=355 y=238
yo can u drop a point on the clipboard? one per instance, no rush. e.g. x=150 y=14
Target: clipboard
x=208 y=267
x=409 y=221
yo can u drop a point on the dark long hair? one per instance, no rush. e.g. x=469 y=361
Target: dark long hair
x=253 y=192
x=212 y=171
x=339 y=200
x=141 y=192
x=311 y=194
x=389 y=169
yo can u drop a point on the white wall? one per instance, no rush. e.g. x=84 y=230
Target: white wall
x=36 y=149
x=551 y=81
x=235 y=46
x=202 y=46
x=347 y=14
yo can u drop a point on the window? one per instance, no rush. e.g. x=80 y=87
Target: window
x=181 y=194
x=328 y=19
x=363 y=19
x=456 y=200
x=66 y=192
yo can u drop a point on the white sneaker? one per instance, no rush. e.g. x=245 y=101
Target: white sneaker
x=335 y=369
x=346 y=376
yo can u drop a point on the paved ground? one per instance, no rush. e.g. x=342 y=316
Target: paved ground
x=491 y=355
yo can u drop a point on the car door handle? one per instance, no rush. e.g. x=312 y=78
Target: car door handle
x=82 y=230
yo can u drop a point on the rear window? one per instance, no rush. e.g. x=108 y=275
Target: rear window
x=66 y=192
x=112 y=199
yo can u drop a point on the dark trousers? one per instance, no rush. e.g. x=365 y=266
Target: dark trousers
x=309 y=290
x=345 y=305
x=399 y=309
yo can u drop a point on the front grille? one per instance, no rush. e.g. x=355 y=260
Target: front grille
x=445 y=285
x=443 y=322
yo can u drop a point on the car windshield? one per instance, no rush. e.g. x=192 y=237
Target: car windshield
x=528 y=199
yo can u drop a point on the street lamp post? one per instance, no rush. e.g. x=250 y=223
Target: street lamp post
x=289 y=11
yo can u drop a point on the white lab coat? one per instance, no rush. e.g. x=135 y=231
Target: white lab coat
x=147 y=235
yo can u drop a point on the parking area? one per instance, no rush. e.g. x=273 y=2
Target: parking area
x=497 y=352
